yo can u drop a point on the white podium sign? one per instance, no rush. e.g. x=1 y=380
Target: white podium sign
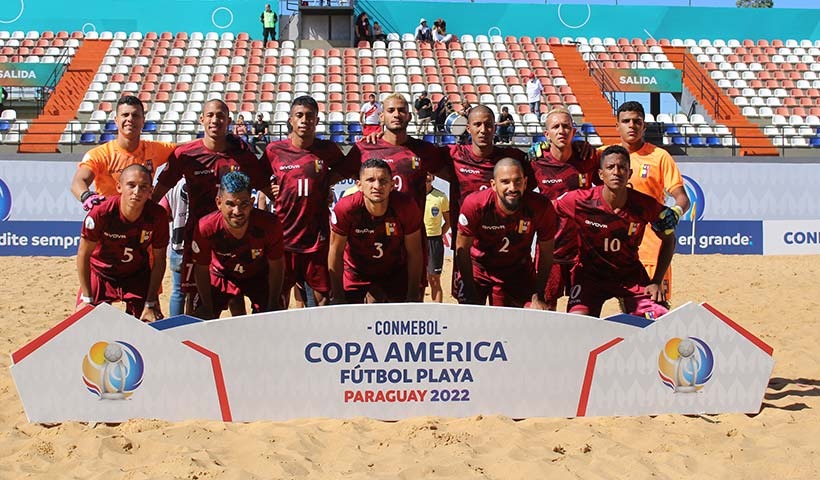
x=390 y=361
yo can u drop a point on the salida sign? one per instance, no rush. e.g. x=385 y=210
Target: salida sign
x=646 y=79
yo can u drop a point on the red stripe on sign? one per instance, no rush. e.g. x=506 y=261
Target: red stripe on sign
x=747 y=334
x=49 y=334
x=593 y=357
x=219 y=379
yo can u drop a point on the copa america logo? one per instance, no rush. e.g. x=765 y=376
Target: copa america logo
x=5 y=201
x=697 y=200
x=112 y=371
x=685 y=364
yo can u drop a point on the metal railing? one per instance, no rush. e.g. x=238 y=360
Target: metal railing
x=598 y=73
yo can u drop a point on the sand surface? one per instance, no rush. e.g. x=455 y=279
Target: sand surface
x=775 y=298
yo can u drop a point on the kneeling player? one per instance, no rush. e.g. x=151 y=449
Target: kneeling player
x=611 y=220
x=113 y=257
x=376 y=239
x=496 y=228
x=237 y=251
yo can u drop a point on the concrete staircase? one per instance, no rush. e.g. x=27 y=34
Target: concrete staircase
x=44 y=133
x=597 y=109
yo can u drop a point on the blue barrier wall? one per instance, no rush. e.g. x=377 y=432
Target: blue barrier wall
x=474 y=18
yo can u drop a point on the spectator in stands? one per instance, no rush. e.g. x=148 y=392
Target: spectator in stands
x=260 y=133
x=369 y=116
x=378 y=33
x=424 y=112
x=443 y=110
x=534 y=92
x=505 y=127
x=268 y=19
x=240 y=129
x=363 y=30
x=423 y=32
x=440 y=32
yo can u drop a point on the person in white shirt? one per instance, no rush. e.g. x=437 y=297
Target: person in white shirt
x=369 y=116
x=534 y=92
x=423 y=32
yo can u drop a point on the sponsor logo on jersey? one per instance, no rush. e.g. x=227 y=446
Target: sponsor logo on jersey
x=633 y=227
x=203 y=172
x=317 y=165
x=117 y=236
x=644 y=170
x=363 y=230
x=549 y=181
x=596 y=224
x=288 y=167
x=469 y=171
x=415 y=162
x=493 y=227
x=583 y=180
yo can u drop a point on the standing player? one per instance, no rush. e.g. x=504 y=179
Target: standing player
x=102 y=165
x=655 y=173
x=304 y=168
x=611 y=219
x=203 y=163
x=237 y=252
x=117 y=236
x=436 y=224
x=560 y=167
x=496 y=230
x=376 y=239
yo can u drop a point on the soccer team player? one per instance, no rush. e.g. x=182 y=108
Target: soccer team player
x=610 y=221
x=117 y=235
x=375 y=241
x=496 y=229
x=238 y=252
x=503 y=202
x=655 y=173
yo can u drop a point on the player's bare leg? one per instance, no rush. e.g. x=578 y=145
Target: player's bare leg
x=436 y=294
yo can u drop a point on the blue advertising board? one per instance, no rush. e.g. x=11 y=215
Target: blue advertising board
x=727 y=237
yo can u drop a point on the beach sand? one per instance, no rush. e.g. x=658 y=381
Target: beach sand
x=775 y=298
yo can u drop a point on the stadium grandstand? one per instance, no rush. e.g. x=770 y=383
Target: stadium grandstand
x=751 y=87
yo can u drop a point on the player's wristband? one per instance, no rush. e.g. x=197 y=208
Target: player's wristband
x=150 y=304
x=678 y=211
x=84 y=299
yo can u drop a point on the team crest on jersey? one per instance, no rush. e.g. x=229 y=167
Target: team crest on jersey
x=415 y=162
x=633 y=227
x=317 y=165
x=583 y=180
x=390 y=229
x=255 y=252
x=644 y=170
x=89 y=223
x=523 y=226
x=145 y=236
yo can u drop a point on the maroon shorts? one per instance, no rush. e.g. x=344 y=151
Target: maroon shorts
x=507 y=288
x=223 y=290
x=310 y=268
x=589 y=292
x=188 y=280
x=129 y=290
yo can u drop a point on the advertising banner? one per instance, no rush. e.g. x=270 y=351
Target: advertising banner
x=390 y=361
x=791 y=237
x=27 y=74
x=646 y=79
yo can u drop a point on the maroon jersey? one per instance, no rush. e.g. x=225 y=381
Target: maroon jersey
x=555 y=178
x=470 y=173
x=409 y=163
x=375 y=245
x=304 y=183
x=238 y=258
x=123 y=246
x=500 y=240
x=203 y=170
x=608 y=241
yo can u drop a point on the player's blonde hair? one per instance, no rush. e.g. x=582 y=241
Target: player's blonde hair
x=555 y=111
x=396 y=96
